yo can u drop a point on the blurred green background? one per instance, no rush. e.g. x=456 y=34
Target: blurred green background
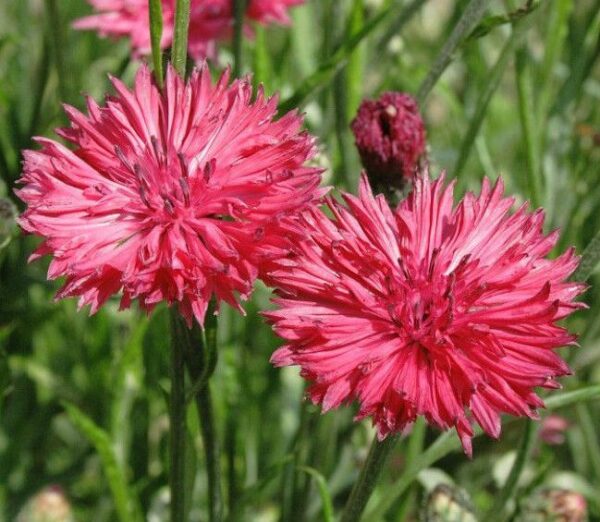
x=520 y=99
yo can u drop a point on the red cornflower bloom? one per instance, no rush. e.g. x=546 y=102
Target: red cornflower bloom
x=169 y=196
x=390 y=138
x=210 y=21
x=426 y=310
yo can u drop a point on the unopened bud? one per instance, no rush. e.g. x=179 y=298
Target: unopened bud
x=390 y=137
x=49 y=505
x=448 y=504
x=554 y=505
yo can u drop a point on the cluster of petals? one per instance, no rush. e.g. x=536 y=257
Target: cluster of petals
x=210 y=21
x=168 y=196
x=435 y=310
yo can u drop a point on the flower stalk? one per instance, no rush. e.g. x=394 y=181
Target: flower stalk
x=156 y=31
x=239 y=12
x=201 y=364
x=177 y=441
x=367 y=480
x=180 y=36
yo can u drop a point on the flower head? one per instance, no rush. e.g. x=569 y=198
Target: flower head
x=210 y=21
x=390 y=137
x=434 y=310
x=168 y=196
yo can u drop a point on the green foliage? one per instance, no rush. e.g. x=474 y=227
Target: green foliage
x=515 y=91
x=125 y=500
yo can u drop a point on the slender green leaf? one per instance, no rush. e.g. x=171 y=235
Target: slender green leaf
x=489 y=88
x=470 y=17
x=528 y=125
x=126 y=503
x=590 y=435
x=323 y=492
x=355 y=67
x=508 y=491
x=261 y=59
x=492 y=22
x=327 y=70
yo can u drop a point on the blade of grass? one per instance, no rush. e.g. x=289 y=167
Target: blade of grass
x=528 y=128
x=355 y=68
x=127 y=383
x=556 y=34
x=497 y=511
x=490 y=23
x=414 y=450
x=323 y=492
x=398 y=22
x=328 y=69
x=581 y=65
x=41 y=82
x=262 y=64
x=489 y=88
x=126 y=505
x=590 y=436
x=471 y=16
x=156 y=31
x=57 y=35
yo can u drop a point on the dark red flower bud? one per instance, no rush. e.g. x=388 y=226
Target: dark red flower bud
x=390 y=137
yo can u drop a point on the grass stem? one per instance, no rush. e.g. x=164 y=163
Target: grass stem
x=180 y=36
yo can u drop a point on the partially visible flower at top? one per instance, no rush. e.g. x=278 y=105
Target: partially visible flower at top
x=390 y=138
x=429 y=310
x=553 y=430
x=210 y=22
x=168 y=196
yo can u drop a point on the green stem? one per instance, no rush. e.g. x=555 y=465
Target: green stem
x=413 y=453
x=510 y=486
x=528 y=127
x=156 y=31
x=177 y=419
x=239 y=12
x=471 y=16
x=201 y=364
x=329 y=68
x=490 y=86
x=399 y=20
x=180 y=36
x=368 y=477
x=57 y=36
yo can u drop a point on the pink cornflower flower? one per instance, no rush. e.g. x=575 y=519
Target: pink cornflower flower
x=168 y=196
x=390 y=138
x=210 y=21
x=433 y=310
